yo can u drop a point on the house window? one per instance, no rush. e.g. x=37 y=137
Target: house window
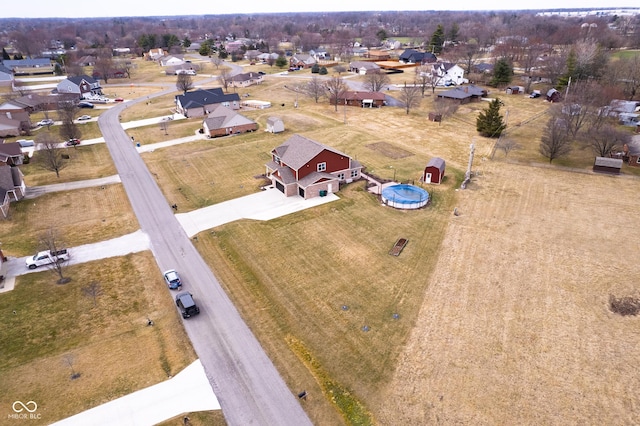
x=638 y=160
x=354 y=173
x=276 y=159
x=341 y=176
x=322 y=167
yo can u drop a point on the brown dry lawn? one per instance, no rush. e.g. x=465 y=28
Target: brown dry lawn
x=55 y=331
x=515 y=326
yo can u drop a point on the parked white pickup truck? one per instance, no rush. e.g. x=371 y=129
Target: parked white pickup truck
x=47 y=257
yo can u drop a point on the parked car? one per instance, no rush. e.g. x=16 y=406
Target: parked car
x=262 y=73
x=85 y=105
x=72 y=142
x=45 y=122
x=47 y=257
x=172 y=279
x=84 y=117
x=24 y=143
x=118 y=100
x=186 y=304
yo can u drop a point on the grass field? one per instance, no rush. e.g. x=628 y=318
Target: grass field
x=515 y=326
x=499 y=310
x=54 y=331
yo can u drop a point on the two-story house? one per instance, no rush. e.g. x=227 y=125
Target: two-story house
x=301 y=166
x=83 y=86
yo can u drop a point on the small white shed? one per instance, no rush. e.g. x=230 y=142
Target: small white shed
x=275 y=125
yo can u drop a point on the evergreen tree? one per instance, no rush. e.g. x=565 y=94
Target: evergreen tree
x=323 y=71
x=489 y=122
x=502 y=73
x=572 y=64
x=453 y=32
x=315 y=69
x=281 y=62
x=437 y=39
x=5 y=55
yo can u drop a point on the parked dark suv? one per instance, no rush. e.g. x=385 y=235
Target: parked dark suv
x=186 y=304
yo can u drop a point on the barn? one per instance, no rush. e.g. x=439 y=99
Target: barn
x=434 y=172
x=607 y=165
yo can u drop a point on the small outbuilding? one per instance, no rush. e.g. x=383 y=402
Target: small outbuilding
x=607 y=165
x=515 y=90
x=275 y=125
x=434 y=172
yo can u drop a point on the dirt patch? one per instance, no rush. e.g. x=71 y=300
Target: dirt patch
x=516 y=326
x=389 y=150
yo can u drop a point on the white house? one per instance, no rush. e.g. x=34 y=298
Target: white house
x=170 y=61
x=448 y=74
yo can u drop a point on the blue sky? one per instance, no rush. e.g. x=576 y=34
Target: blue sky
x=109 y=8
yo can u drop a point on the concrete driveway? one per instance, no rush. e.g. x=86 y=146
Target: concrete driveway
x=266 y=205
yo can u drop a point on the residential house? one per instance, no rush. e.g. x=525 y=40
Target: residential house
x=363 y=67
x=301 y=166
x=245 y=79
x=378 y=55
x=631 y=152
x=29 y=66
x=267 y=57
x=155 y=54
x=619 y=106
x=83 y=86
x=360 y=99
x=223 y=121
x=6 y=76
x=301 y=60
x=9 y=126
x=233 y=46
x=170 y=61
x=201 y=102
x=275 y=125
x=12 y=186
x=483 y=68
x=87 y=61
x=463 y=94
x=412 y=56
x=319 y=55
x=448 y=74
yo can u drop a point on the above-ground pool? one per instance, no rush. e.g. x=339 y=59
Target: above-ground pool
x=405 y=196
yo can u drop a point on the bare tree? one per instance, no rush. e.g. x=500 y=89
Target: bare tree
x=217 y=61
x=336 y=90
x=423 y=78
x=339 y=69
x=67 y=111
x=50 y=157
x=184 y=83
x=315 y=88
x=555 y=140
x=93 y=290
x=124 y=66
x=410 y=96
x=225 y=77
x=583 y=101
x=606 y=139
x=69 y=360
x=51 y=241
x=446 y=107
x=104 y=64
x=507 y=145
x=375 y=81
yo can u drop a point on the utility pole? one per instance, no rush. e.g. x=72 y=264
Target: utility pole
x=467 y=176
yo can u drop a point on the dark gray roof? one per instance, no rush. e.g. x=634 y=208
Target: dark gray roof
x=246 y=76
x=202 y=97
x=37 y=62
x=77 y=79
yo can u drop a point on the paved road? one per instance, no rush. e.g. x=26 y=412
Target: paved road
x=248 y=386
